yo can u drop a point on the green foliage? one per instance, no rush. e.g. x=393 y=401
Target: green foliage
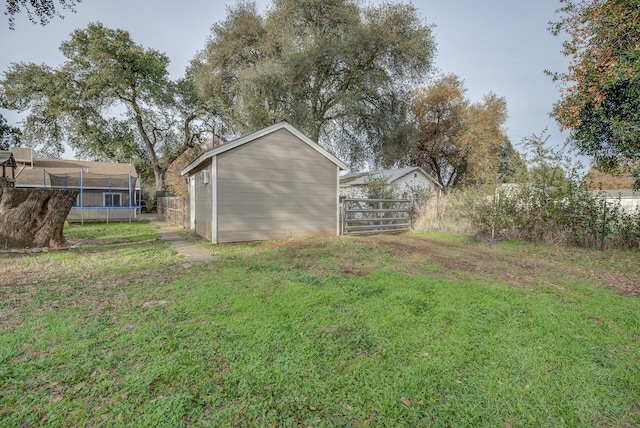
x=337 y=70
x=511 y=166
x=418 y=194
x=9 y=135
x=600 y=102
x=110 y=100
x=553 y=204
x=38 y=11
x=379 y=188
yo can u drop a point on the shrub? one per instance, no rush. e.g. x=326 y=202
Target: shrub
x=551 y=204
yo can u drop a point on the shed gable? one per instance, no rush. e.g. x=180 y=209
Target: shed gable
x=275 y=186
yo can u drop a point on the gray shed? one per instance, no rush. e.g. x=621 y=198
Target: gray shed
x=274 y=183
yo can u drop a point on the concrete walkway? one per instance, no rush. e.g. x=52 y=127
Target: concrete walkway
x=192 y=254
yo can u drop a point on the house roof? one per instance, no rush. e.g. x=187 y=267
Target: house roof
x=261 y=133
x=27 y=176
x=390 y=175
x=618 y=193
x=6 y=158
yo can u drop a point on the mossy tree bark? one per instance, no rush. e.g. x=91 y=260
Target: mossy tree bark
x=31 y=218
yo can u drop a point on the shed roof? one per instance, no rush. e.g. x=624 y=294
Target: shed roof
x=390 y=175
x=33 y=176
x=261 y=133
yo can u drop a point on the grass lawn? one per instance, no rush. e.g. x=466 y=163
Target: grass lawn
x=409 y=330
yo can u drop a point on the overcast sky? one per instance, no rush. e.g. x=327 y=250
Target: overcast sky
x=502 y=46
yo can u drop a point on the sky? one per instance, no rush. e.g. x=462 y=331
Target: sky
x=502 y=46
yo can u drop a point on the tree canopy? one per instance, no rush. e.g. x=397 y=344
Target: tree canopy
x=332 y=68
x=9 y=135
x=111 y=99
x=600 y=98
x=456 y=141
x=38 y=11
x=598 y=180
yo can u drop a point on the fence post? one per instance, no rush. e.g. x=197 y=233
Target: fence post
x=343 y=207
x=604 y=224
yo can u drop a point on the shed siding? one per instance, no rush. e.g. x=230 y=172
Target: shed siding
x=203 y=200
x=275 y=187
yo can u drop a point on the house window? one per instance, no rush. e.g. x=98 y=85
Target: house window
x=112 y=199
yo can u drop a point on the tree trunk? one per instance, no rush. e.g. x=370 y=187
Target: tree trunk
x=159 y=175
x=31 y=218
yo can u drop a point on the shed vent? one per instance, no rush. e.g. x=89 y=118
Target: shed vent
x=204 y=176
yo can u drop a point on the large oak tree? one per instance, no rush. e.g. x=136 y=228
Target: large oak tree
x=329 y=67
x=110 y=100
x=600 y=99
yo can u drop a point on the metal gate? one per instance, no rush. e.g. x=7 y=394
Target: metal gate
x=373 y=216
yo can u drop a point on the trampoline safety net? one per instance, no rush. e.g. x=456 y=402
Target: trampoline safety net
x=93 y=183
x=78 y=180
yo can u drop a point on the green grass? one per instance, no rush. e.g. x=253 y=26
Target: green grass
x=110 y=233
x=412 y=330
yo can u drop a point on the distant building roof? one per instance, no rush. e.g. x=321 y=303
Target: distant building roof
x=618 y=193
x=390 y=175
x=27 y=176
x=6 y=158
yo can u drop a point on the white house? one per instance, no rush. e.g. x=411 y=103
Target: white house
x=403 y=180
x=629 y=199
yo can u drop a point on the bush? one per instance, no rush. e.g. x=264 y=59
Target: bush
x=553 y=205
x=550 y=204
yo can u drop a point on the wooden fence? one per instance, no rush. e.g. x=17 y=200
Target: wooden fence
x=173 y=210
x=373 y=216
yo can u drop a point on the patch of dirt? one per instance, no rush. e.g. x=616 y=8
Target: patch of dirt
x=432 y=254
x=111 y=244
x=432 y=241
x=348 y=270
x=513 y=268
x=84 y=241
